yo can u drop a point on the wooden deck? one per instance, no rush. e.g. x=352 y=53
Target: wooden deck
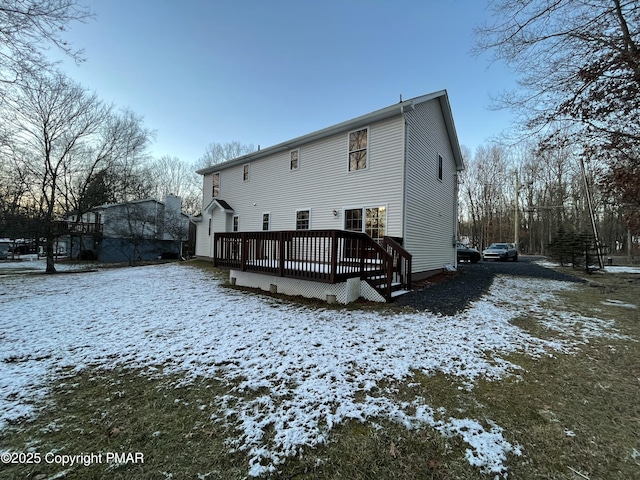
x=77 y=228
x=330 y=256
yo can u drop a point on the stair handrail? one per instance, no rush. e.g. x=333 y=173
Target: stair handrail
x=401 y=252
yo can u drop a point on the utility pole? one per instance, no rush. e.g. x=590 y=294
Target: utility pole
x=515 y=226
x=592 y=216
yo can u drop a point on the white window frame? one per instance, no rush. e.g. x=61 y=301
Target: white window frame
x=344 y=217
x=246 y=171
x=268 y=221
x=363 y=209
x=296 y=218
x=235 y=226
x=366 y=158
x=291 y=152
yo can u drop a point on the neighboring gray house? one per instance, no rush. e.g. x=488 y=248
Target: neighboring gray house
x=391 y=174
x=129 y=232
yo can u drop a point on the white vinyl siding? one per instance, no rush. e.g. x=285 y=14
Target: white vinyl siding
x=420 y=207
x=323 y=185
x=430 y=210
x=203 y=240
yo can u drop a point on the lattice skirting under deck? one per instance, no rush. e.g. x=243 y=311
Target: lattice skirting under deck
x=345 y=292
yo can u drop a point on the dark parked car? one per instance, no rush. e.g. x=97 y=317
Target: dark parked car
x=500 y=251
x=467 y=253
x=87 y=255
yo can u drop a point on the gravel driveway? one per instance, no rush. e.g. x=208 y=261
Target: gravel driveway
x=449 y=294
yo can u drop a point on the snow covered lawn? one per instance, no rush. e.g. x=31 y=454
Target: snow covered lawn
x=318 y=367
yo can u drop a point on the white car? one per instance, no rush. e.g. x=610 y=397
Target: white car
x=500 y=251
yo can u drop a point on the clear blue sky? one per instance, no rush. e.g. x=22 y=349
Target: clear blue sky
x=263 y=72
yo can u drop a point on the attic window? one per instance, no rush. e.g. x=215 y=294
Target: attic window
x=293 y=159
x=358 y=149
x=215 y=192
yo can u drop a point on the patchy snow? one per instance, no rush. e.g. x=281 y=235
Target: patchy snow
x=310 y=363
x=34 y=264
x=617 y=303
x=622 y=269
x=608 y=269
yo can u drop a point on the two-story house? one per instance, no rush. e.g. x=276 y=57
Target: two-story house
x=390 y=174
x=128 y=232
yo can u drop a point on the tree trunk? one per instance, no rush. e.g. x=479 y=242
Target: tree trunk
x=51 y=268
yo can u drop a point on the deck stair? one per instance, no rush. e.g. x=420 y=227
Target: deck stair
x=379 y=282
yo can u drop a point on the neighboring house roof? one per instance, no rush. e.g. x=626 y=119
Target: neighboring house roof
x=388 y=112
x=221 y=204
x=106 y=206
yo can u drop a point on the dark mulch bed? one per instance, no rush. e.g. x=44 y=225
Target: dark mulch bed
x=450 y=293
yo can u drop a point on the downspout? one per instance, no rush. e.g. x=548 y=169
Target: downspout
x=456 y=220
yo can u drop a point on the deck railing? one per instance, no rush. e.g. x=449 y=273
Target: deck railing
x=329 y=256
x=82 y=228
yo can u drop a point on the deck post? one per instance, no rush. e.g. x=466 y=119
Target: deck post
x=389 y=277
x=361 y=251
x=243 y=251
x=281 y=250
x=334 y=256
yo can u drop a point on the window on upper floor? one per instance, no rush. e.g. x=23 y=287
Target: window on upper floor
x=303 y=218
x=358 y=141
x=215 y=191
x=245 y=173
x=294 y=157
x=236 y=223
x=266 y=221
x=439 y=167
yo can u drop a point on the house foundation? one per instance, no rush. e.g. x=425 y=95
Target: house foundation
x=343 y=292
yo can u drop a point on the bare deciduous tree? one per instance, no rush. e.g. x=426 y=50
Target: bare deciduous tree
x=28 y=28
x=221 y=152
x=51 y=117
x=174 y=176
x=576 y=59
x=578 y=64
x=66 y=137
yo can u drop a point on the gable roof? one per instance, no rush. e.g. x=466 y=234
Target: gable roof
x=218 y=203
x=382 y=114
